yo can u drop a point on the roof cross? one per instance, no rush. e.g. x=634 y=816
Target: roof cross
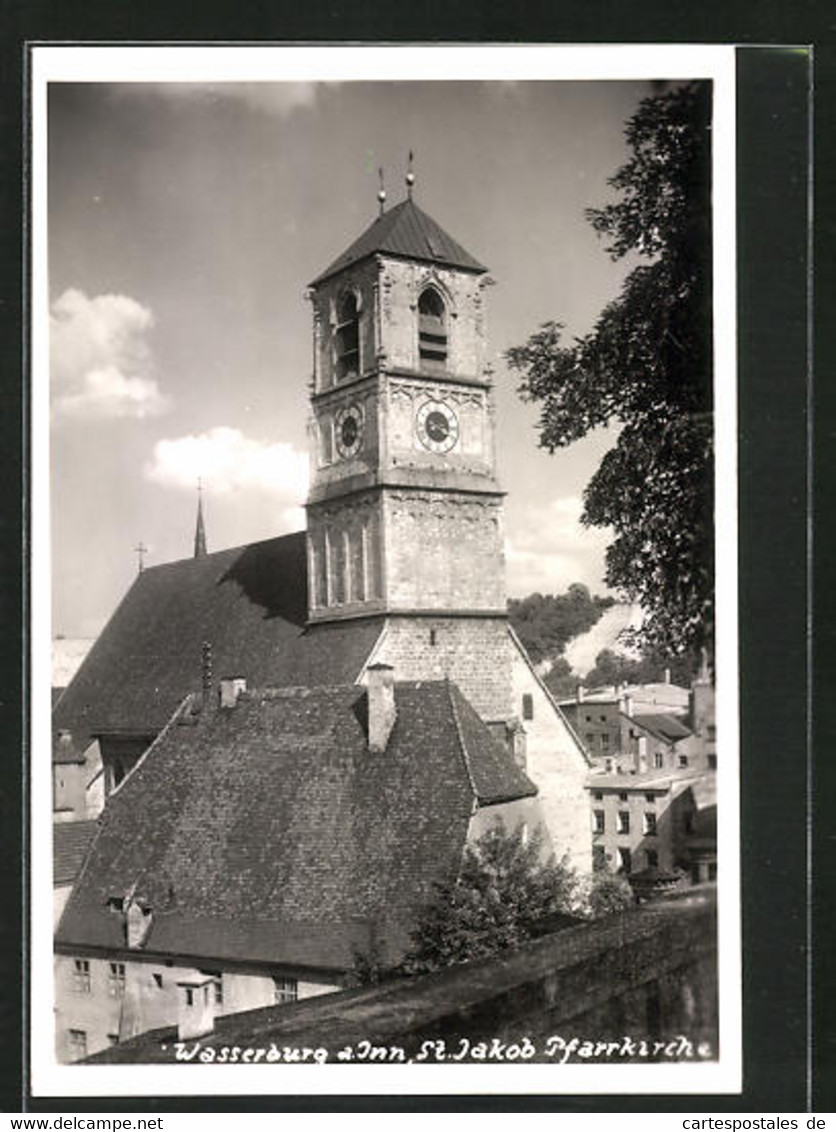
x=140 y=549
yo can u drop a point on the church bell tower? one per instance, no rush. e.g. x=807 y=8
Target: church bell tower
x=404 y=511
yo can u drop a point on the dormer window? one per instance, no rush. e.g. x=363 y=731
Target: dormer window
x=432 y=332
x=347 y=338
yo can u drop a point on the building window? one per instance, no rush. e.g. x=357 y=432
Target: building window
x=683 y=760
x=81 y=977
x=605 y=741
x=285 y=990
x=528 y=705
x=598 y=821
x=590 y=740
x=78 y=1043
x=588 y=718
x=712 y=762
x=622 y=797
x=650 y=824
x=623 y=821
x=219 y=990
x=658 y=760
x=432 y=332
x=624 y=860
x=650 y=798
x=113 y=1039
x=116 y=980
x=598 y=796
x=652 y=858
x=603 y=719
x=712 y=870
x=347 y=338
x=433 y=637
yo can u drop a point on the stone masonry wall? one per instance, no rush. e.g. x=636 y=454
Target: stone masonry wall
x=443 y=550
x=645 y=976
x=555 y=763
x=473 y=652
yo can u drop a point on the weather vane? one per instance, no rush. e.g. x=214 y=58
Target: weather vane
x=410 y=177
x=141 y=549
x=381 y=192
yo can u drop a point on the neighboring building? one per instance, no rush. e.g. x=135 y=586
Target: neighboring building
x=70 y=842
x=267 y=838
x=623 y=733
x=653 y=821
x=401 y=566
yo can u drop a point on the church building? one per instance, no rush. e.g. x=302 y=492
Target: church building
x=299 y=736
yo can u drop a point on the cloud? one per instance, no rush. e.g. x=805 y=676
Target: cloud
x=101 y=365
x=547 y=549
x=279 y=99
x=227 y=461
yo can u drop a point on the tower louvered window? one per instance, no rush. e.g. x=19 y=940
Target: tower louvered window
x=432 y=332
x=347 y=338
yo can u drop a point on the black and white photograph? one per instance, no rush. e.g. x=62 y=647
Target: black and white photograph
x=384 y=571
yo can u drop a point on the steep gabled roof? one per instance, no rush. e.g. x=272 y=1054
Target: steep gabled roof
x=405 y=231
x=70 y=842
x=269 y=832
x=250 y=603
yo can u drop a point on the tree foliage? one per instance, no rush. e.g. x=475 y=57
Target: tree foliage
x=609 y=893
x=646 y=368
x=545 y=623
x=613 y=668
x=503 y=891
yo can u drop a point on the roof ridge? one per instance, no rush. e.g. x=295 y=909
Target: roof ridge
x=449 y=685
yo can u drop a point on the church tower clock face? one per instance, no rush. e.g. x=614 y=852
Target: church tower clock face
x=437 y=426
x=349 y=431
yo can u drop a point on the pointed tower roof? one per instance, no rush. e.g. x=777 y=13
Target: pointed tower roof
x=200 y=530
x=407 y=232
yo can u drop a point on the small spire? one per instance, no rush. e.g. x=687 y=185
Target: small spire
x=200 y=530
x=140 y=549
x=410 y=177
x=381 y=192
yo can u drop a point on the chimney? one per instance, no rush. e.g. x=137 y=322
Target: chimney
x=230 y=690
x=667 y=677
x=382 y=711
x=641 y=755
x=195 y=1007
x=515 y=734
x=580 y=693
x=628 y=705
x=137 y=921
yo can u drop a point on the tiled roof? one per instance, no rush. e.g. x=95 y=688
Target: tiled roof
x=270 y=832
x=668 y=726
x=70 y=842
x=495 y=776
x=249 y=602
x=408 y=232
x=646 y=780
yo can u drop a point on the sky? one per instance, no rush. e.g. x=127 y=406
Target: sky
x=184 y=223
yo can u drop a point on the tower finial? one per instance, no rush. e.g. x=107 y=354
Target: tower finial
x=200 y=530
x=410 y=177
x=381 y=192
